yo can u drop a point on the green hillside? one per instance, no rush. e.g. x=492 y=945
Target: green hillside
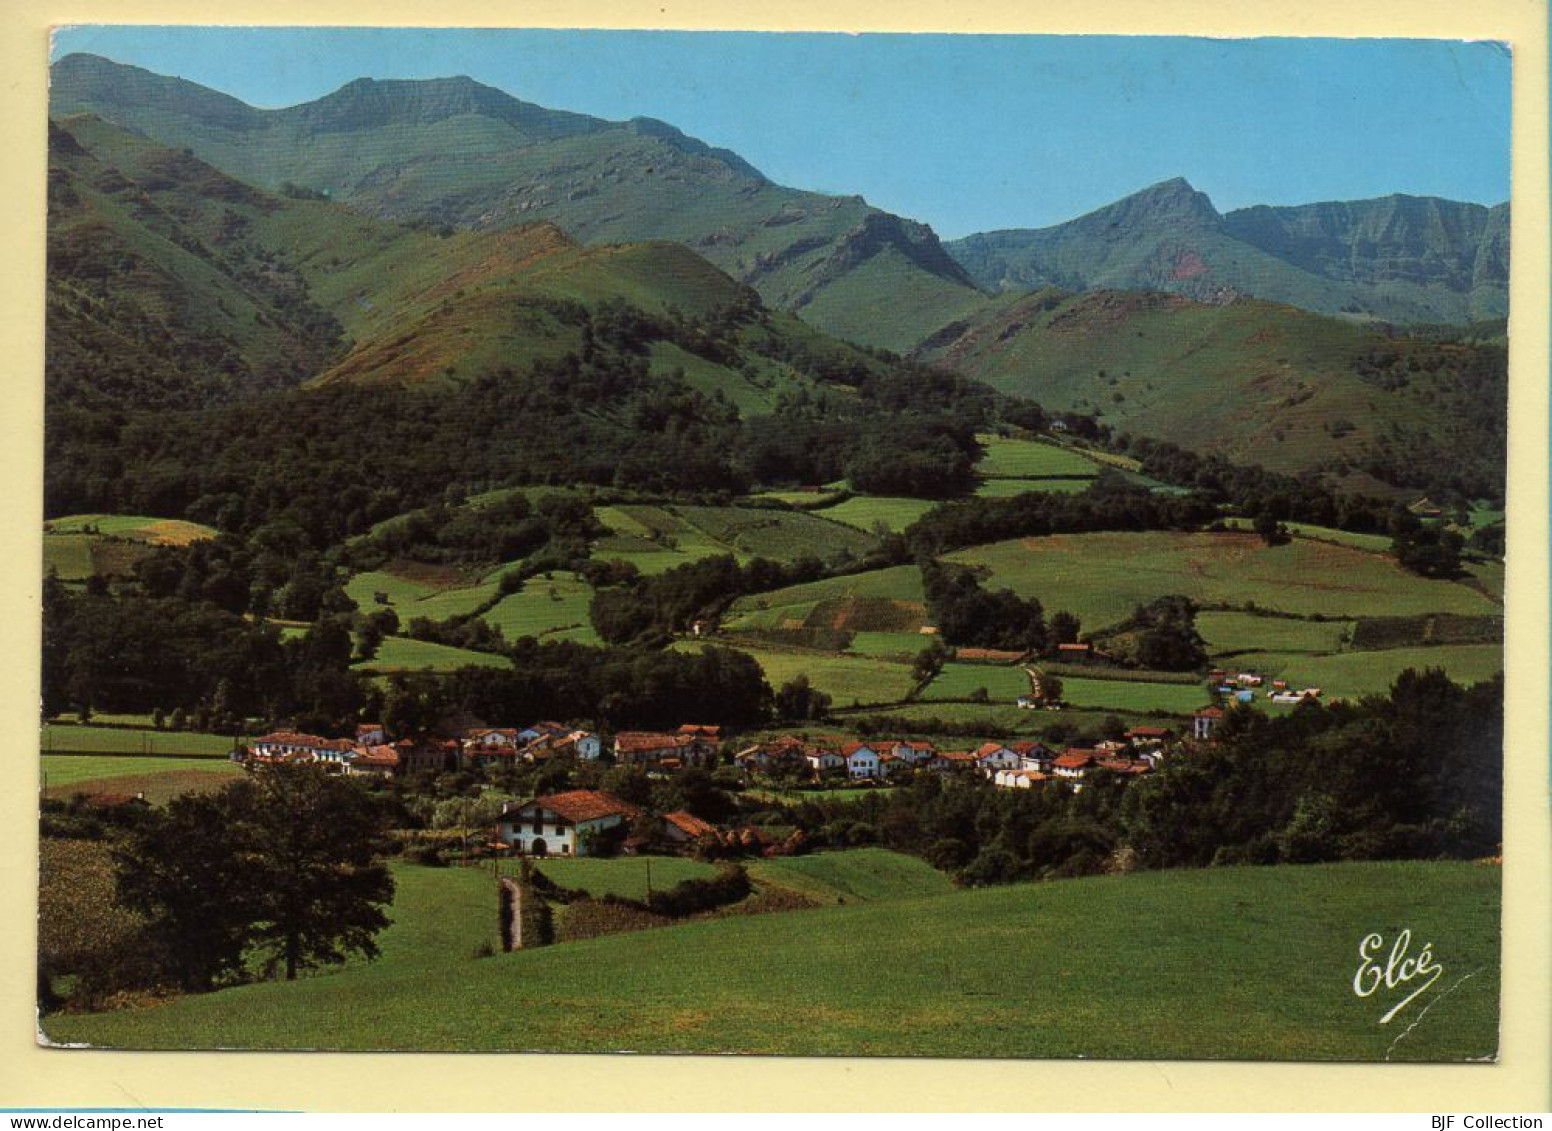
x=1046 y=970
x=1251 y=380
x=452 y=151
x=148 y=305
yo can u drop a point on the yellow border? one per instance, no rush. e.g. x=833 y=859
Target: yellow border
x=30 y=1076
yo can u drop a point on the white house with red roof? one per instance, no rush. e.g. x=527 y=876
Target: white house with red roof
x=822 y=761
x=1205 y=721
x=994 y=756
x=561 y=824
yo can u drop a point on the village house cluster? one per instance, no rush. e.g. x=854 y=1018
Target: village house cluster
x=370 y=752
x=1014 y=765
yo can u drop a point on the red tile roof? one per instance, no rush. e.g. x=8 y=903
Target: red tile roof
x=1209 y=713
x=631 y=741
x=688 y=823
x=385 y=756
x=1148 y=732
x=1074 y=760
x=852 y=747
x=584 y=805
x=701 y=731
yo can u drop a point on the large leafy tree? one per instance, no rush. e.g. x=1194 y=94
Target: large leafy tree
x=284 y=867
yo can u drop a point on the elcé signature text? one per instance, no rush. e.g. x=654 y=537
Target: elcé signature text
x=1396 y=969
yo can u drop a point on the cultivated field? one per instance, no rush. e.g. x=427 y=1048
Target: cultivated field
x=77 y=546
x=881 y=600
x=658 y=538
x=1364 y=673
x=401 y=654
x=1245 y=632
x=1028 y=970
x=858 y=875
x=624 y=875
x=75 y=737
x=158 y=778
x=546 y=608
x=1031 y=459
x=846 y=679
x=1005 y=684
x=1007 y=488
x=866 y=512
x=413 y=590
x=1102 y=577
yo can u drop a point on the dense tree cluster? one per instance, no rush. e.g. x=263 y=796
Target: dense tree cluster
x=650 y=609
x=278 y=872
x=974 y=522
x=1348 y=781
x=615 y=687
x=967 y=614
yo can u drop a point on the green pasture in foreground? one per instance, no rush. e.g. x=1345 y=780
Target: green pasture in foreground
x=121 y=740
x=400 y=653
x=855 y=875
x=1103 y=577
x=1245 y=963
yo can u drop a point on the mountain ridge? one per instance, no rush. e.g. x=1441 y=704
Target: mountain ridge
x=1397 y=258
x=454 y=151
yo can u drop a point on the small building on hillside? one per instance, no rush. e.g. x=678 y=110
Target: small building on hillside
x=682 y=827
x=861 y=760
x=823 y=761
x=669 y=751
x=1205 y=721
x=562 y=824
x=375 y=761
x=371 y=734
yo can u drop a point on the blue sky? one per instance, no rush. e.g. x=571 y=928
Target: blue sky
x=967 y=133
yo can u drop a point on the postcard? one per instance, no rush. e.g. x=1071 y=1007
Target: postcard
x=986 y=547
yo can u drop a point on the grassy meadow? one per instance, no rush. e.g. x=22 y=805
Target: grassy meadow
x=1102 y=577
x=63 y=776
x=1259 y=966
x=78 y=738
x=547 y=608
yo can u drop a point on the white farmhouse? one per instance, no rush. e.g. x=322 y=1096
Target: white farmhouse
x=561 y=824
